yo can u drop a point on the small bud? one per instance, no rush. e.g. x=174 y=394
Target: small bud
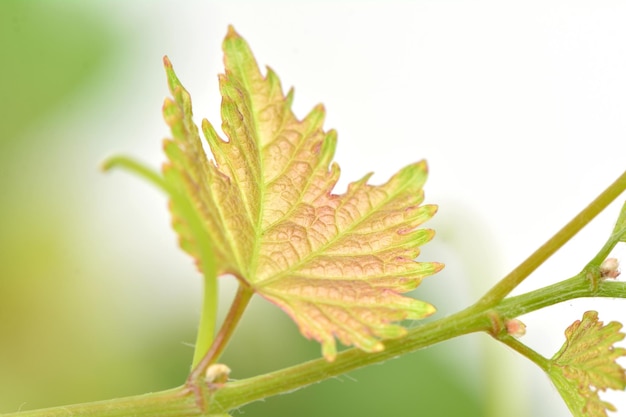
x=515 y=328
x=610 y=268
x=217 y=375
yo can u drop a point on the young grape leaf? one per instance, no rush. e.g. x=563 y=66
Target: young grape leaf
x=336 y=264
x=586 y=364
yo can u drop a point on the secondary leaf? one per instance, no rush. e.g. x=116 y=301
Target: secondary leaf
x=337 y=264
x=586 y=364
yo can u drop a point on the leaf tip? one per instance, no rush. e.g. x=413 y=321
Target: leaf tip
x=429 y=310
x=437 y=266
x=166 y=62
x=172 y=80
x=231 y=32
x=420 y=309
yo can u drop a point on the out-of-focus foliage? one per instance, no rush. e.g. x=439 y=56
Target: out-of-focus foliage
x=49 y=52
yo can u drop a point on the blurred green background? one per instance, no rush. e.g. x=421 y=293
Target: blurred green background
x=96 y=300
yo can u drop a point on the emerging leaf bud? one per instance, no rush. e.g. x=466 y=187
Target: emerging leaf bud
x=515 y=328
x=217 y=375
x=610 y=268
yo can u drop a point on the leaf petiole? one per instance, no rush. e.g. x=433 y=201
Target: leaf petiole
x=238 y=306
x=206 y=325
x=526 y=351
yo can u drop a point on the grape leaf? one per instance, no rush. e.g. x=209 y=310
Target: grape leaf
x=337 y=264
x=586 y=364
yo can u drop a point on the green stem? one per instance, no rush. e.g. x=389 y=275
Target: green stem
x=171 y=403
x=206 y=326
x=242 y=298
x=513 y=279
x=471 y=320
x=570 y=289
x=618 y=235
x=587 y=283
x=524 y=350
x=238 y=393
x=182 y=402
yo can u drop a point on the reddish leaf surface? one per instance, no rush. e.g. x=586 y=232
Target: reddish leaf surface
x=337 y=264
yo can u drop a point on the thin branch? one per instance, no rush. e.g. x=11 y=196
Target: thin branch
x=515 y=277
x=526 y=351
x=181 y=402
